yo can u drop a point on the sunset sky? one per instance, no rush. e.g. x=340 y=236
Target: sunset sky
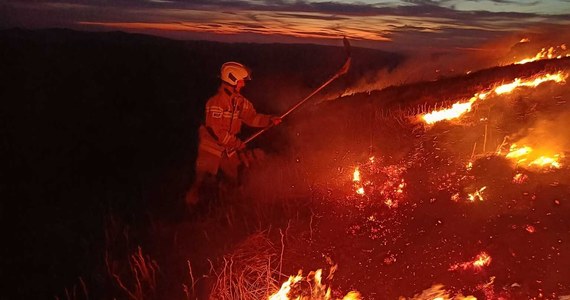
x=378 y=24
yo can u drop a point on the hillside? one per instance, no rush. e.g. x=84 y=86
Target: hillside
x=99 y=138
x=103 y=125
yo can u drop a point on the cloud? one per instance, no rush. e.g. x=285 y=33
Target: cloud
x=403 y=24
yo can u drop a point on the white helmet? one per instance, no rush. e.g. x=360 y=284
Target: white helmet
x=232 y=72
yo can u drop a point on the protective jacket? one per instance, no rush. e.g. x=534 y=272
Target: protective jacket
x=225 y=112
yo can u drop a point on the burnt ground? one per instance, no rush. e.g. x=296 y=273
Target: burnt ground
x=399 y=248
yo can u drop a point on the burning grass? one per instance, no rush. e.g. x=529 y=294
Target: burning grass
x=310 y=287
x=554 y=52
x=462 y=107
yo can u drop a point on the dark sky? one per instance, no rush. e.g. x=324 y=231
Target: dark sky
x=379 y=24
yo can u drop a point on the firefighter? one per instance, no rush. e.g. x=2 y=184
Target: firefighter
x=224 y=115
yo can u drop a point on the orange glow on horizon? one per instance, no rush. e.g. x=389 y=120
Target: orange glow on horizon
x=300 y=30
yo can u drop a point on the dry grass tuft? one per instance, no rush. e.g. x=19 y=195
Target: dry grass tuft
x=246 y=273
x=140 y=283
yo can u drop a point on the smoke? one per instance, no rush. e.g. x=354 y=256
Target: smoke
x=425 y=66
x=534 y=40
x=441 y=63
x=549 y=134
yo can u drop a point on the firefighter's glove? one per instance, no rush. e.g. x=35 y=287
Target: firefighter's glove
x=275 y=120
x=237 y=145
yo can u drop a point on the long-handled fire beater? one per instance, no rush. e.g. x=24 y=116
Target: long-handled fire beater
x=341 y=71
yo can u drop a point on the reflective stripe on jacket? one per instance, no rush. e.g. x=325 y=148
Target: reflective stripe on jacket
x=225 y=112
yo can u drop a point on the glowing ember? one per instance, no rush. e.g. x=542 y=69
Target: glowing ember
x=477 y=195
x=356 y=175
x=455 y=197
x=462 y=107
x=482 y=260
x=520 y=178
x=401 y=187
x=530 y=229
x=317 y=289
x=377 y=182
x=550 y=53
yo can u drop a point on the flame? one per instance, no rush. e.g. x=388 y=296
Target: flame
x=356 y=179
x=507 y=88
x=318 y=289
x=286 y=288
x=352 y=296
x=481 y=260
x=550 y=53
x=477 y=195
x=547 y=161
x=456 y=110
x=518 y=152
x=462 y=107
x=437 y=292
x=526 y=155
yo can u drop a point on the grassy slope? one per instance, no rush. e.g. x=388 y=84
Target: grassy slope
x=103 y=125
